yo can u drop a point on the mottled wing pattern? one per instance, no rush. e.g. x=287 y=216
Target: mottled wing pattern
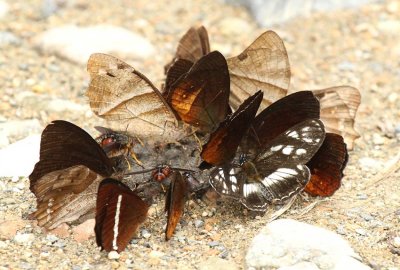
x=263 y=65
x=119 y=212
x=338 y=111
x=129 y=101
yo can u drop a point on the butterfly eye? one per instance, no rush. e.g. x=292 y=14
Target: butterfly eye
x=107 y=141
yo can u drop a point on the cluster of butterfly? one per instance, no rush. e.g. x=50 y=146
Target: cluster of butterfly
x=259 y=145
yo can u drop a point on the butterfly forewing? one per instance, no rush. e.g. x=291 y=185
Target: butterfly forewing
x=338 y=110
x=119 y=212
x=263 y=65
x=224 y=141
x=100 y=63
x=176 y=70
x=327 y=166
x=174 y=203
x=129 y=101
x=201 y=96
x=67 y=175
x=284 y=114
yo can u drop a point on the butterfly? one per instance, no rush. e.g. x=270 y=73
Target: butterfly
x=129 y=101
x=119 y=212
x=276 y=169
x=66 y=178
x=199 y=92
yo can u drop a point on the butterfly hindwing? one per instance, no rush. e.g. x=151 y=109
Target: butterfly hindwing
x=119 y=212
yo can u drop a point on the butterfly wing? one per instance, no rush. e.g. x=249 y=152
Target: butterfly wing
x=338 y=111
x=119 y=212
x=192 y=46
x=175 y=71
x=174 y=203
x=284 y=114
x=263 y=65
x=129 y=101
x=224 y=141
x=327 y=166
x=201 y=96
x=70 y=168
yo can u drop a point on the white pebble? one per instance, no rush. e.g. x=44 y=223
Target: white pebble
x=113 y=255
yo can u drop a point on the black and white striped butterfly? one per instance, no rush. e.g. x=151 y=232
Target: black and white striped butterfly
x=275 y=145
x=277 y=173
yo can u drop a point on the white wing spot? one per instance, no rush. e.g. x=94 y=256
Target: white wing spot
x=233 y=179
x=117 y=212
x=307 y=140
x=317 y=140
x=276 y=148
x=301 y=151
x=294 y=134
x=300 y=167
x=287 y=150
x=305 y=129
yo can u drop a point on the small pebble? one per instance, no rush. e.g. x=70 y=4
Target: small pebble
x=361 y=231
x=396 y=241
x=213 y=243
x=198 y=223
x=145 y=234
x=204 y=214
x=24 y=238
x=113 y=255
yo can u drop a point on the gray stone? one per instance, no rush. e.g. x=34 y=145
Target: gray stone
x=8 y=38
x=289 y=244
x=25 y=238
x=78 y=43
x=20 y=128
x=113 y=255
x=198 y=223
x=270 y=12
x=14 y=163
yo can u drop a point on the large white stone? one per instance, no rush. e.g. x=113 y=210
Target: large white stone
x=78 y=43
x=19 y=158
x=289 y=244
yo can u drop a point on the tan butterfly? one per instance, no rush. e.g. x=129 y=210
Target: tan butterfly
x=129 y=101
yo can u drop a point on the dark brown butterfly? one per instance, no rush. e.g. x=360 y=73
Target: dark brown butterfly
x=276 y=170
x=175 y=202
x=119 y=212
x=129 y=101
x=66 y=178
x=201 y=95
x=192 y=46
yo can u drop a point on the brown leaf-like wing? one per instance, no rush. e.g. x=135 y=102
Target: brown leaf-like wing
x=192 y=46
x=64 y=180
x=174 y=203
x=100 y=63
x=338 y=110
x=224 y=141
x=119 y=212
x=263 y=65
x=201 y=96
x=129 y=101
x=176 y=70
x=327 y=166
